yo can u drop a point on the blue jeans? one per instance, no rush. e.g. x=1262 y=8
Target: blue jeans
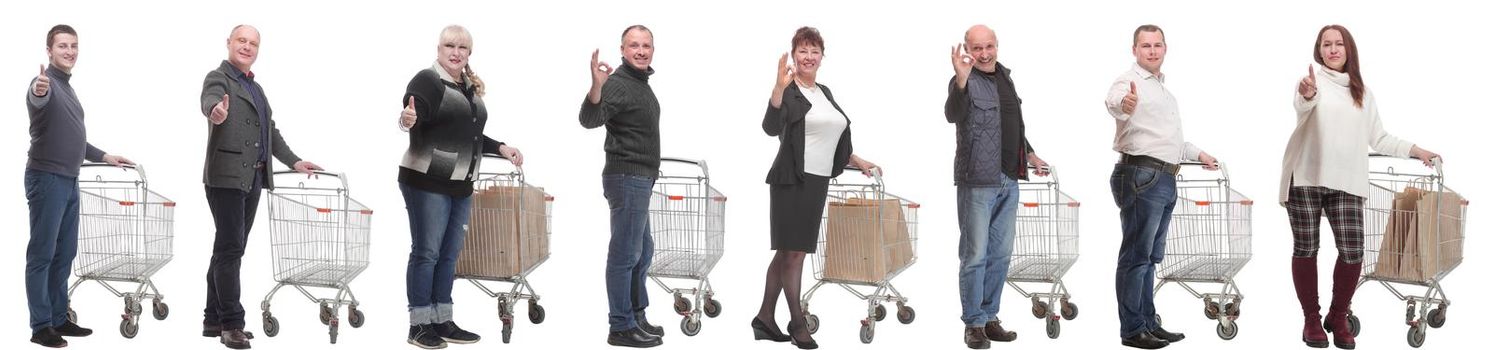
x=437 y=231
x=1146 y=198
x=631 y=250
x=53 y=201
x=987 y=230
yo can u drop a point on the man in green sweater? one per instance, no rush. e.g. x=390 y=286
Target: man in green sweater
x=624 y=103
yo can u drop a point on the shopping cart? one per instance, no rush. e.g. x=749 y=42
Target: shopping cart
x=867 y=238
x=688 y=220
x=1208 y=242
x=1411 y=243
x=124 y=236
x=318 y=238
x=507 y=238
x=1046 y=247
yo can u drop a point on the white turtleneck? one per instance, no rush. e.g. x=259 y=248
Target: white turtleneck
x=1330 y=145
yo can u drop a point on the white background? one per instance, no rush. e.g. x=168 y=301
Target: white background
x=335 y=72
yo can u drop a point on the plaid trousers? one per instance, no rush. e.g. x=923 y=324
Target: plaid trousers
x=1307 y=204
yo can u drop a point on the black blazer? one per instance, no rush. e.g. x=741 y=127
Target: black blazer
x=787 y=123
x=233 y=147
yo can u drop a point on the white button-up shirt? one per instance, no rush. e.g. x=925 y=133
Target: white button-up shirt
x=1154 y=128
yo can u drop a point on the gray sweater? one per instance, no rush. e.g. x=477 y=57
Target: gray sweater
x=630 y=112
x=59 y=141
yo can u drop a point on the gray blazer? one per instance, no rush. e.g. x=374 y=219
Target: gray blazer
x=232 y=147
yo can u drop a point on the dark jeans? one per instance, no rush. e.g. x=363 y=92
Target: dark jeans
x=437 y=231
x=1146 y=198
x=233 y=215
x=53 y=203
x=631 y=249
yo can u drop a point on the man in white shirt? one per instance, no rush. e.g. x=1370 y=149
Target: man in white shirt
x=1148 y=135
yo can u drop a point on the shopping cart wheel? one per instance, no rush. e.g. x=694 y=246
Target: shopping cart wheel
x=1158 y=320
x=1437 y=318
x=1210 y=310
x=1070 y=311
x=1054 y=329
x=812 y=323
x=355 y=318
x=1416 y=336
x=1353 y=324
x=326 y=314
x=72 y=316
x=1039 y=308
x=332 y=333
x=1227 y=331
x=681 y=305
x=132 y=306
x=868 y=332
x=712 y=308
x=271 y=325
x=690 y=325
x=507 y=331
x=159 y=310
x=536 y=313
x=129 y=328
x=1231 y=309
x=905 y=314
x=880 y=313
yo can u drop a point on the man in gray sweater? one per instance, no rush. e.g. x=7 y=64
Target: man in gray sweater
x=59 y=144
x=625 y=104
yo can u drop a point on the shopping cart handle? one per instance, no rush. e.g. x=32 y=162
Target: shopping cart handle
x=494 y=155
x=102 y=164
x=699 y=163
x=1435 y=162
x=318 y=173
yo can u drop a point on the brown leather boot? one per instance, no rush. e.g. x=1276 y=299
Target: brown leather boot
x=995 y=332
x=1344 y=284
x=234 y=339
x=974 y=338
x=1304 y=275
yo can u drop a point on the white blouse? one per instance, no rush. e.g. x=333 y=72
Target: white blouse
x=823 y=126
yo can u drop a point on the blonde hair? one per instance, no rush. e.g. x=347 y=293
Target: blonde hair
x=456 y=33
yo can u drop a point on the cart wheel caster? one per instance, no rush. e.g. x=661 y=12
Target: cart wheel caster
x=132 y=306
x=1416 y=336
x=129 y=328
x=536 y=313
x=1039 y=308
x=326 y=314
x=271 y=326
x=690 y=325
x=868 y=332
x=507 y=332
x=1054 y=329
x=355 y=318
x=1353 y=324
x=159 y=310
x=712 y=308
x=880 y=313
x=906 y=314
x=812 y=323
x=332 y=333
x=681 y=305
x=1437 y=318
x=1227 y=332
x=1210 y=310
x=72 y=316
x=1231 y=309
x=1070 y=311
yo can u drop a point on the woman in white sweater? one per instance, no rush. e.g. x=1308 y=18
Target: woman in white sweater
x=1325 y=172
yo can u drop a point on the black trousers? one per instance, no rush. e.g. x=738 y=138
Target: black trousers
x=233 y=214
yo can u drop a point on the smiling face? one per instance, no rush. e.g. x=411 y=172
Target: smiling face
x=1150 y=50
x=637 y=48
x=243 y=47
x=1333 y=49
x=63 y=53
x=454 y=50
x=980 y=43
x=807 y=58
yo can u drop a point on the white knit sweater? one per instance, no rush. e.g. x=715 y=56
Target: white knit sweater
x=1328 y=148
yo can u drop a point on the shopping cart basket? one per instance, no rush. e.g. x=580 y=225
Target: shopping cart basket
x=318 y=238
x=507 y=238
x=124 y=236
x=1046 y=247
x=1208 y=242
x=688 y=220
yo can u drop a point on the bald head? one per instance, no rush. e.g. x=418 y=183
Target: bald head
x=243 y=47
x=980 y=43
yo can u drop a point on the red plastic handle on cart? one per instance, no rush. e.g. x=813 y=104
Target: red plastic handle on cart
x=169 y=204
x=676 y=198
x=549 y=198
x=1072 y=204
x=1204 y=203
x=1029 y=204
x=126 y=203
x=323 y=210
x=366 y=212
x=720 y=198
x=914 y=205
x=1247 y=202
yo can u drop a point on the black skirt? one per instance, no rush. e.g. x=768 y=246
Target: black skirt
x=796 y=213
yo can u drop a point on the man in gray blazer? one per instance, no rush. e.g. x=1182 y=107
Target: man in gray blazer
x=241 y=138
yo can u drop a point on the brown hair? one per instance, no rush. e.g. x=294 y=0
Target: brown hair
x=59 y=29
x=1149 y=28
x=1350 y=65
x=630 y=29
x=807 y=36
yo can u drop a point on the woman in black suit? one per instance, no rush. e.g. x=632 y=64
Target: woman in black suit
x=814 y=147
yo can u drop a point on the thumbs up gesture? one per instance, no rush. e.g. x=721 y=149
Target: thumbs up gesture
x=407 y=117
x=1128 y=104
x=1308 y=86
x=220 y=112
x=43 y=83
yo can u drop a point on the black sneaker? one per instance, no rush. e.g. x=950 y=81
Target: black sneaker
x=70 y=329
x=48 y=338
x=453 y=334
x=424 y=336
x=643 y=324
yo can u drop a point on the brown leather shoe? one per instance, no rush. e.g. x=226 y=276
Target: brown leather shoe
x=974 y=337
x=234 y=339
x=994 y=331
x=213 y=331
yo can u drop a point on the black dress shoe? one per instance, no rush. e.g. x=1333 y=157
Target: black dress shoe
x=70 y=329
x=1144 y=340
x=234 y=339
x=213 y=331
x=805 y=344
x=48 y=338
x=761 y=331
x=1161 y=333
x=633 y=338
x=643 y=324
x=974 y=337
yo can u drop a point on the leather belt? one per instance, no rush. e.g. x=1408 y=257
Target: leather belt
x=1150 y=162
